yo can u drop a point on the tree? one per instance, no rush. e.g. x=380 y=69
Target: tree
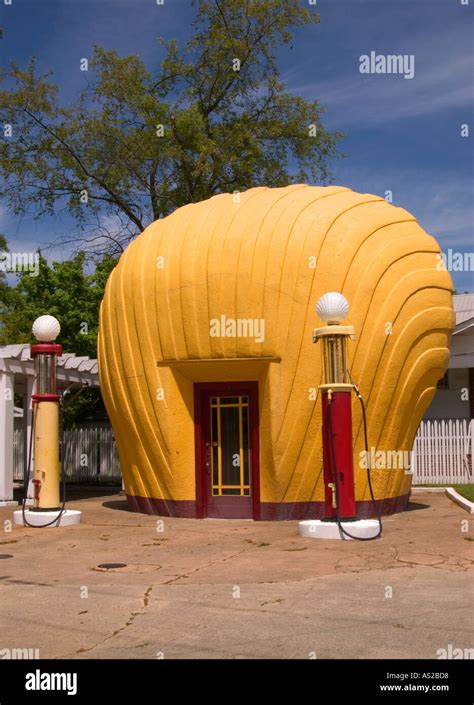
x=64 y=290
x=135 y=146
x=67 y=291
x=4 y=288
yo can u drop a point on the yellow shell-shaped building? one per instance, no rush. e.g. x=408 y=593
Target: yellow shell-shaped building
x=207 y=364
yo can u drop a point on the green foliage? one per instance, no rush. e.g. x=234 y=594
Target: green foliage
x=5 y=291
x=74 y=406
x=64 y=290
x=136 y=145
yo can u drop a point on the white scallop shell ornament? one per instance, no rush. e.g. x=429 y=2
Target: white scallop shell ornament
x=46 y=329
x=332 y=307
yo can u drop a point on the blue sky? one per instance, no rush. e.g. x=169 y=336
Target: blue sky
x=402 y=135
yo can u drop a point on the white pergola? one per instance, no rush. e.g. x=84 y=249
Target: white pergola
x=17 y=376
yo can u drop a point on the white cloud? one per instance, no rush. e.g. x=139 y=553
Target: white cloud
x=443 y=80
x=442 y=203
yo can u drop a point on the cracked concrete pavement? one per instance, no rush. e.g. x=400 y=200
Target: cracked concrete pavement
x=236 y=589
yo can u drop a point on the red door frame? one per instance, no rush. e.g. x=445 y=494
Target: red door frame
x=249 y=389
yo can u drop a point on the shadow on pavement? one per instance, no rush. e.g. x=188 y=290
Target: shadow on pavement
x=119 y=504
x=78 y=491
x=413 y=506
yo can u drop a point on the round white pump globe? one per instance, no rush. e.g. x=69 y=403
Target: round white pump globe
x=46 y=329
x=332 y=307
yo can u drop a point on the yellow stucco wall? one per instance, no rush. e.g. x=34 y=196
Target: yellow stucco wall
x=252 y=260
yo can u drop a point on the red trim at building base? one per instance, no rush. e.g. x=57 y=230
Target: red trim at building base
x=269 y=511
x=185 y=508
x=284 y=511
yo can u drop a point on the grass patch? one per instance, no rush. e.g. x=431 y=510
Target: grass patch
x=466 y=491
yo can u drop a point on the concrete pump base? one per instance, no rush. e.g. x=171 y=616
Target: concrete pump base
x=39 y=519
x=317 y=529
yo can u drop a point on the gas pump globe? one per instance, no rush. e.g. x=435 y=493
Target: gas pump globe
x=332 y=308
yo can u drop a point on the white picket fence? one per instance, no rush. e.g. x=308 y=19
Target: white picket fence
x=90 y=455
x=442 y=452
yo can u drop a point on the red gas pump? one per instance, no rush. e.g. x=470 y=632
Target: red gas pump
x=336 y=390
x=340 y=518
